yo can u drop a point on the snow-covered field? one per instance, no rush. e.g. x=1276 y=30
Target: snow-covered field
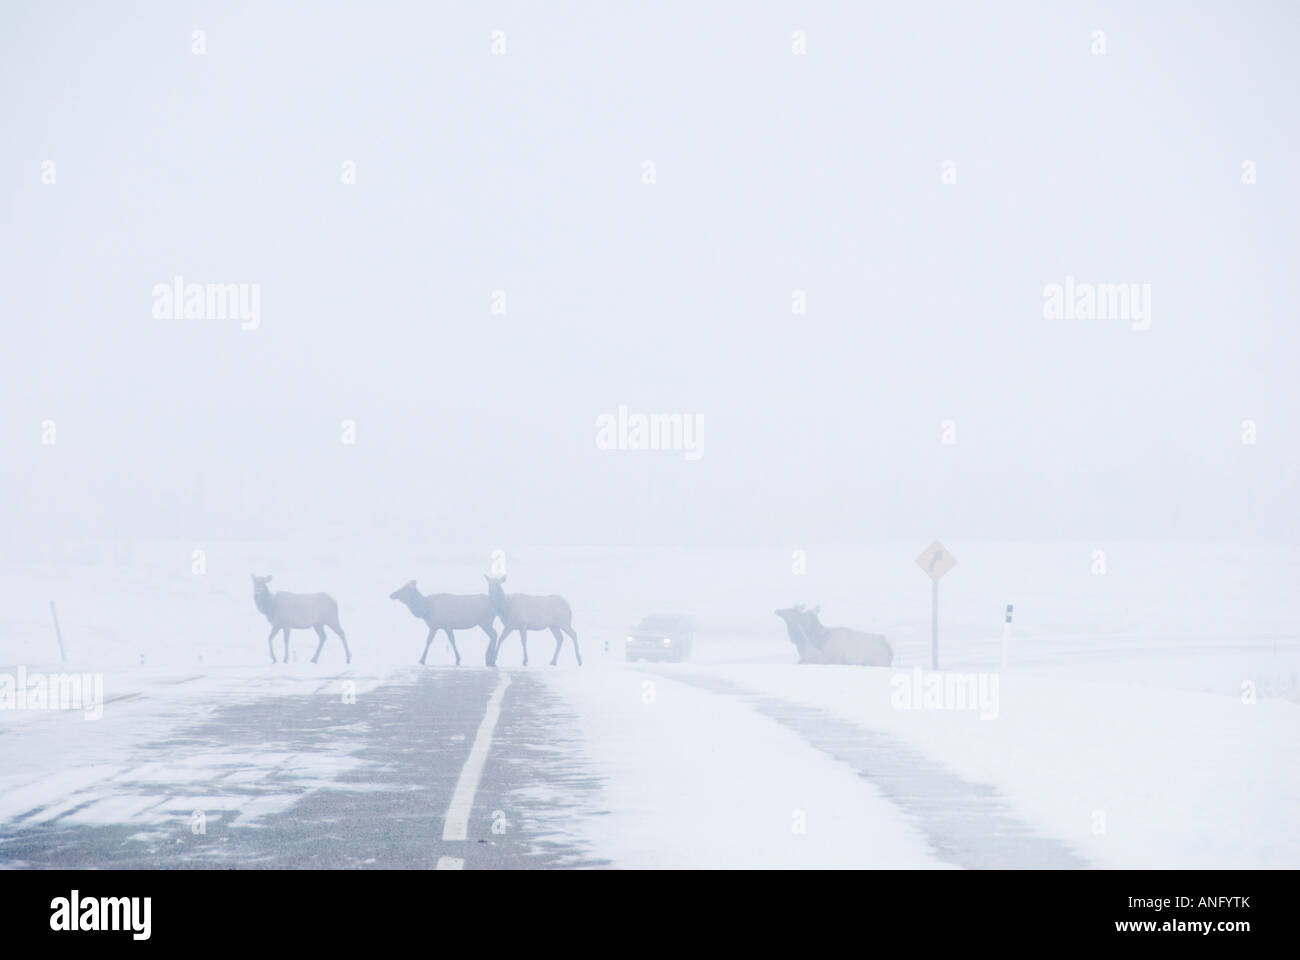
x=1149 y=716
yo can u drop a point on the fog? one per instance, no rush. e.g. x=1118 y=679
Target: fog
x=879 y=417
x=524 y=172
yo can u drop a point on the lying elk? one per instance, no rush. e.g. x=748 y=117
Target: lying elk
x=821 y=644
x=448 y=612
x=297 y=611
x=519 y=611
x=793 y=617
x=843 y=645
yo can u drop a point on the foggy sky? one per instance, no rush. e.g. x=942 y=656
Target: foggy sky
x=775 y=172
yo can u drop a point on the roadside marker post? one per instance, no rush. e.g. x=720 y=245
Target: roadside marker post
x=1006 y=631
x=935 y=560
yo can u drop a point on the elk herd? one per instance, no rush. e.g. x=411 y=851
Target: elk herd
x=441 y=612
x=521 y=612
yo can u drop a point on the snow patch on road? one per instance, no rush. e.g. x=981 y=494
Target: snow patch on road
x=696 y=780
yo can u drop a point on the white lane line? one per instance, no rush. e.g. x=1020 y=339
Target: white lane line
x=450 y=863
x=456 y=824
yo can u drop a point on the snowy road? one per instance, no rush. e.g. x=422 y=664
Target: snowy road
x=436 y=767
x=700 y=765
x=307 y=779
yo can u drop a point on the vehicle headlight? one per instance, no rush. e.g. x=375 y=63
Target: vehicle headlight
x=629 y=639
x=668 y=642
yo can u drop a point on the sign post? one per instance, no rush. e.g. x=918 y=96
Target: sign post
x=934 y=624
x=935 y=560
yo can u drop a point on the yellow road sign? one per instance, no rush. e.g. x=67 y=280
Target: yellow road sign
x=935 y=560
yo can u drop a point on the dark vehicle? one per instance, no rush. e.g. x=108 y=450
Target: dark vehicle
x=661 y=637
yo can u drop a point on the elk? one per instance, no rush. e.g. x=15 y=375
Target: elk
x=794 y=624
x=448 y=612
x=842 y=645
x=297 y=611
x=821 y=644
x=519 y=611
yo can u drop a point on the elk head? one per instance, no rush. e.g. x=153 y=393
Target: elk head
x=407 y=593
x=497 y=595
x=790 y=614
x=261 y=593
x=811 y=624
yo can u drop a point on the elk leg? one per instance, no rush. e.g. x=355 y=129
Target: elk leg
x=427 y=644
x=270 y=642
x=286 y=644
x=523 y=642
x=347 y=654
x=320 y=632
x=559 y=642
x=490 y=658
x=452 y=637
x=574 y=637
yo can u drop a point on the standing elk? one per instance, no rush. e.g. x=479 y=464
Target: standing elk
x=519 y=611
x=821 y=644
x=448 y=612
x=297 y=611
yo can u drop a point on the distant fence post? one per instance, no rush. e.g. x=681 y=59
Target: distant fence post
x=58 y=633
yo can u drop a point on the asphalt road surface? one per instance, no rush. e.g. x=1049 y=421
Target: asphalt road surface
x=433 y=768
x=398 y=801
